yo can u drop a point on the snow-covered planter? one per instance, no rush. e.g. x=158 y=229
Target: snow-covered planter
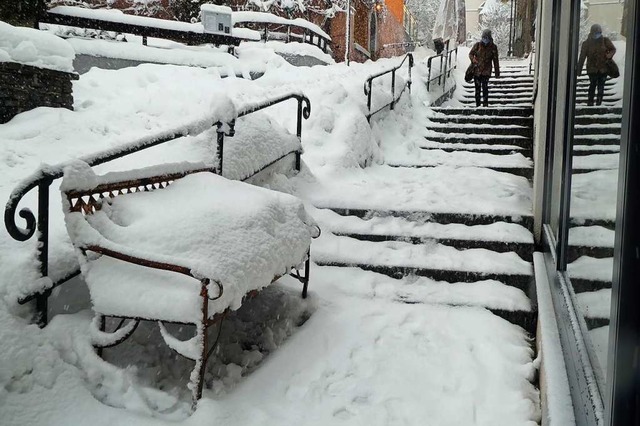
x=36 y=69
x=25 y=87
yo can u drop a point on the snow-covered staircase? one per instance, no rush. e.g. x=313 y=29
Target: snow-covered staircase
x=459 y=213
x=591 y=236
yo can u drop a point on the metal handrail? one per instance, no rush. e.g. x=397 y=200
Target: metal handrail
x=445 y=61
x=369 y=82
x=44 y=176
x=307 y=35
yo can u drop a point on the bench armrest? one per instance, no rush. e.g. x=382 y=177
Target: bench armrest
x=147 y=260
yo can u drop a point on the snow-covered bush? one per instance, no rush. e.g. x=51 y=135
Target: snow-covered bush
x=496 y=16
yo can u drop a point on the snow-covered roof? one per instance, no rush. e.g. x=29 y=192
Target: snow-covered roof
x=32 y=47
x=214 y=8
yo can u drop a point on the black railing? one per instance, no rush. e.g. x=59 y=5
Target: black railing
x=287 y=33
x=188 y=37
x=445 y=66
x=44 y=177
x=368 y=85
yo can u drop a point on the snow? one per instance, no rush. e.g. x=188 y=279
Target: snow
x=200 y=57
x=362 y=348
x=376 y=225
x=488 y=293
x=329 y=248
x=595 y=304
x=32 y=47
x=214 y=8
x=262 y=17
x=450 y=190
x=591 y=268
x=593 y=195
x=554 y=380
x=591 y=236
x=115 y=15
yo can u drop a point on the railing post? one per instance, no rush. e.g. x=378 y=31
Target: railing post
x=393 y=89
x=288 y=33
x=410 y=66
x=370 y=82
x=220 y=132
x=42 y=304
x=440 y=73
x=429 y=74
x=266 y=33
x=144 y=40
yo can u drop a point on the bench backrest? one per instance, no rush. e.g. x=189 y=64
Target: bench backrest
x=87 y=201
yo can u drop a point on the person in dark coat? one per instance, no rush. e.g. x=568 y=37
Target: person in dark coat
x=596 y=50
x=483 y=55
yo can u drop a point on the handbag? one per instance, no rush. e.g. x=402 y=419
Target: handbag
x=470 y=73
x=612 y=68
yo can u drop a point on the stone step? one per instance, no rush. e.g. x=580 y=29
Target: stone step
x=581 y=285
x=480 y=148
x=498 y=103
x=493 y=112
x=575 y=252
x=526 y=172
x=606 y=139
x=441 y=218
x=598 y=110
x=520 y=281
x=596 y=322
x=483 y=129
x=597 y=129
x=528 y=320
x=524 y=250
x=605 y=223
x=523 y=90
x=507 y=302
x=584 y=120
x=584 y=150
x=482 y=119
x=519 y=141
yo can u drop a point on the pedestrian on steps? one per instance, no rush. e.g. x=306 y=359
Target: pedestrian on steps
x=597 y=50
x=483 y=55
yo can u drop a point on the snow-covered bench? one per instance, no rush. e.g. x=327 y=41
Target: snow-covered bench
x=178 y=243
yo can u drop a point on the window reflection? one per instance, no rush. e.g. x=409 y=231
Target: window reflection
x=596 y=148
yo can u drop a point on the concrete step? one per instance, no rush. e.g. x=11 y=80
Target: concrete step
x=441 y=218
x=482 y=119
x=597 y=129
x=585 y=150
x=575 y=252
x=480 y=148
x=519 y=141
x=605 y=139
x=583 y=110
x=581 y=285
x=596 y=322
x=493 y=112
x=520 y=281
x=524 y=250
x=499 y=103
x=526 y=172
x=483 y=129
x=585 y=120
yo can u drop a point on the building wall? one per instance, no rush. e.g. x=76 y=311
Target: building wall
x=472 y=17
x=607 y=13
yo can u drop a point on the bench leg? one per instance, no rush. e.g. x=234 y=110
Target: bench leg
x=197 y=375
x=307 y=271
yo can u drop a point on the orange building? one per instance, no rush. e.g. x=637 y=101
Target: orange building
x=378 y=30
